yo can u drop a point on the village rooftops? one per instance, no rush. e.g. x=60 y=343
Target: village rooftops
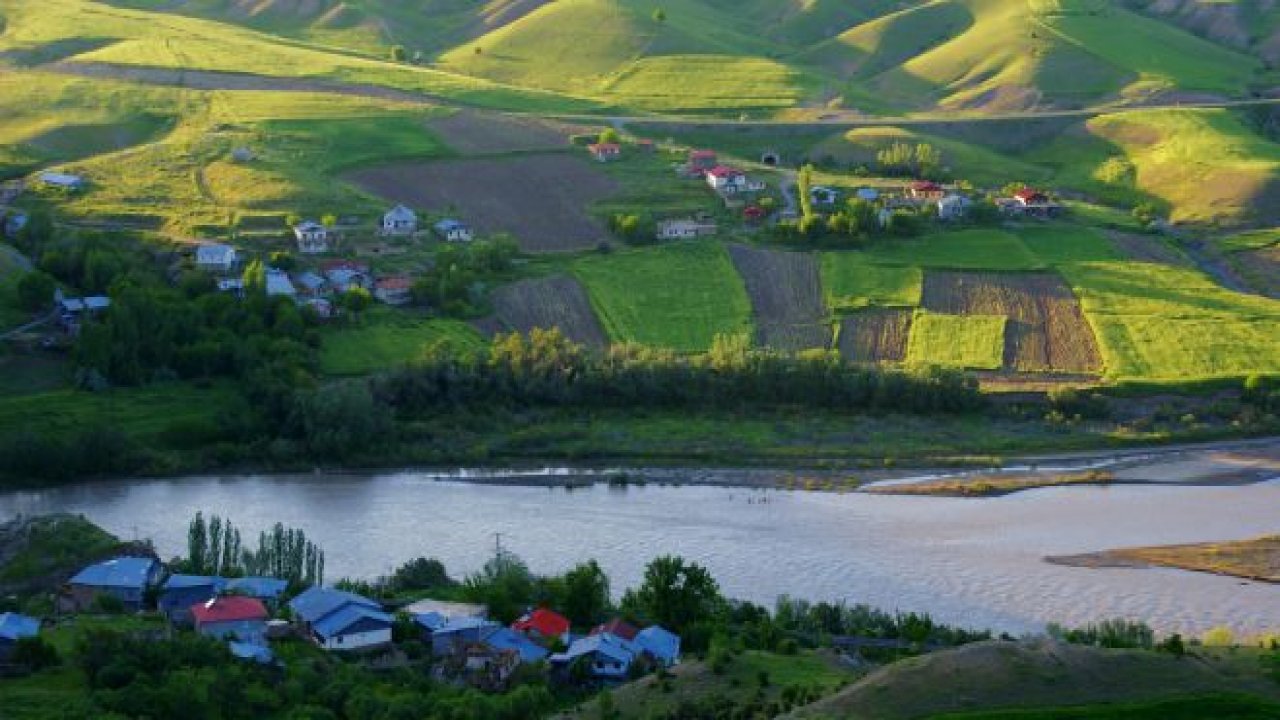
x=702 y=155
x=724 y=171
x=215 y=254
x=122 y=572
x=251 y=651
x=15 y=627
x=925 y=186
x=868 y=194
x=263 y=588
x=501 y=638
x=400 y=213
x=450 y=225
x=617 y=626
x=662 y=644
x=1031 y=196
x=611 y=646
x=229 y=608
x=346 y=618
x=398 y=282
x=183 y=582
x=317 y=602
x=307 y=227
x=446 y=609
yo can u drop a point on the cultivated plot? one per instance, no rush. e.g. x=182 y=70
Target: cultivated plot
x=479 y=133
x=554 y=302
x=876 y=335
x=1046 y=330
x=786 y=297
x=539 y=200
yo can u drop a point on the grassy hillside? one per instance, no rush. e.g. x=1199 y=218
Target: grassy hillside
x=1038 y=674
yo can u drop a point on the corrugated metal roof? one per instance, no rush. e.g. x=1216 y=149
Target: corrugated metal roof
x=127 y=572
x=14 y=626
x=318 y=602
x=334 y=623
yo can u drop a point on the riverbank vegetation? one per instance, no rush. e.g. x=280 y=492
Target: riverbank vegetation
x=1255 y=559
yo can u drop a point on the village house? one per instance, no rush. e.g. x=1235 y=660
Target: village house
x=231 y=285
x=216 y=257
x=14 y=222
x=309 y=284
x=394 y=290
x=62 y=181
x=312 y=237
x=231 y=617
x=1029 y=202
x=399 y=220
x=279 y=284
x=543 y=625
x=72 y=310
x=684 y=228
x=339 y=620
x=954 y=207
x=617 y=626
x=253 y=652
x=487 y=667
x=322 y=306
x=753 y=213
x=180 y=592
x=346 y=274
x=660 y=644
x=724 y=179
x=124 y=578
x=605 y=152
x=451 y=230
x=608 y=657
x=703 y=160
x=446 y=609
x=454 y=633
x=821 y=196
x=267 y=589
x=926 y=191
x=14 y=627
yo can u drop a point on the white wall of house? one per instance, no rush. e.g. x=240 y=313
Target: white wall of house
x=355 y=641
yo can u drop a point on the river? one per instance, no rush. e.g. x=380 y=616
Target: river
x=975 y=562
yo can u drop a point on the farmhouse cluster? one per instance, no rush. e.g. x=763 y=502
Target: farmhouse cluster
x=251 y=614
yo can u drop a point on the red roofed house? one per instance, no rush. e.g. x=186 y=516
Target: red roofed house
x=543 y=624
x=703 y=159
x=619 y=627
x=604 y=152
x=393 y=290
x=243 y=618
x=725 y=179
x=1029 y=196
x=753 y=213
x=926 y=190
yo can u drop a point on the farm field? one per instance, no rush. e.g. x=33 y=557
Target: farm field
x=540 y=200
x=468 y=132
x=554 y=302
x=852 y=280
x=786 y=297
x=968 y=342
x=876 y=335
x=384 y=339
x=677 y=296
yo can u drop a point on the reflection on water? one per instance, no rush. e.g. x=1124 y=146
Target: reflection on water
x=975 y=562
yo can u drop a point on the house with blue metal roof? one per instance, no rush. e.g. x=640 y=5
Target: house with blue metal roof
x=456 y=633
x=503 y=638
x=125 y=578
x=608 y=656
x=252 y=651
x=14 y=627
x=180 y=592
x=660 y=644
x=267 y=589
x=339 y=620
x=451 y=230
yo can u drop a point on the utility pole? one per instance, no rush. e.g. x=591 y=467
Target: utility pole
x=497 y=546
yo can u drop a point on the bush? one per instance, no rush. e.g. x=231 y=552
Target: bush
x=34 y=654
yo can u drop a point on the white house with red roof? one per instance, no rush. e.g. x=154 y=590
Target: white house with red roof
x=231 y=616
x=926 y=190
x=393 y=290
x=605 y=152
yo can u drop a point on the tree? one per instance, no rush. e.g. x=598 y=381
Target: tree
x=35 y=291
x=676 y=594
x=398 y=53
x=609 y=136
x=329 y=220
x=804 y=184
x=585 y=597
x=355 y=300
x=659 y=15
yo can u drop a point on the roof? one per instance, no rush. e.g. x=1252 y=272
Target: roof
x=460 y=624
x=1027 y=195
x=610 y=646
x=659 y=642
x=702 y=154
x=954 y=199
x=547 y=623
x=97 y=302
x=124 y=572
x=351 y=265
x=619 y=627
x=260 y=587
x=310 y=280
x=506 y=639
x=251 y=651
x=308 y=226
x=182 y=582
x=823 y=189
x=231 y=284
x=450 y=224
x=14 y=626
x=215 y=253
x=400 y=212
x=229 y=608
x=318 y=602
x=430 y=620
x=446 y=609
x=868 y=193
x=724 y=171
x=394 y=283
x=278 y=283
x=604 y=147
x=57 y=178
x=335 y=623
x=925 y=186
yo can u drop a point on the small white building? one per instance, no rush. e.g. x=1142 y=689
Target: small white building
x=452 y=230
x=216 y=257
x=312 y=237
x=393 y=290
x=399 y=220
x=954 y=207
x=725 y=179
x=63 y=181
x=684 y=228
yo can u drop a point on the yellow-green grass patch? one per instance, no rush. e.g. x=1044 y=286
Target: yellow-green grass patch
x=386 y=340
x=965 y=249
x=677 y=296
x=970 y=342
x=852 y=281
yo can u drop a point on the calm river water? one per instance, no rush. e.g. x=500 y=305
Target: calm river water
x=974 y=562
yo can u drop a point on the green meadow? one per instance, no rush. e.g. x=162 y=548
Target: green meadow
x=384 y=339
x=967 y=342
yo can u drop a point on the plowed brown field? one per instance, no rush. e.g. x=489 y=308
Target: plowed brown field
x=1047 y=330
x=559 y=302
x=876 y=336
x=786 y=297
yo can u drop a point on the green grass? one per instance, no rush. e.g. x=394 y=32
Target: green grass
x=684 y=83
x=1220 y=706
x=969 y=161
x=678 y=296
x=1058 y=244
x=388 y=339
x=851 y=281
x=966 y=249
x=56 y=543
x=1248 y=241
x=147 y=414
x=972 y=342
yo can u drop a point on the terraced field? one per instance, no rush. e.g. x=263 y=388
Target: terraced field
x=876 y=335
x=786 y=297
x=1046 y=330
x=554 y=302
